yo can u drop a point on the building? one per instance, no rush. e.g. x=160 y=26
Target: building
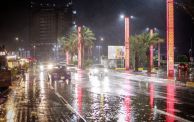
x=48 y=22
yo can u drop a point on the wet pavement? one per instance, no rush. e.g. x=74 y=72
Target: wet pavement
x=121 y=97
x=32 y=100
x=125 y=97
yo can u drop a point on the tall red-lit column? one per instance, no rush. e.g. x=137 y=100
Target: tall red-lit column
x=80 y=49
x=68 y=57
x=151 y=52
x=170 y=38
x=127 y=44
x=158 y=55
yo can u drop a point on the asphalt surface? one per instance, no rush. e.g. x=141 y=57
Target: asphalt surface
x=121 y=97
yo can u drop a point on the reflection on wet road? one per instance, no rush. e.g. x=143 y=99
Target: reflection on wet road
x=117 y=97
x=32 y=100
x=120 y=97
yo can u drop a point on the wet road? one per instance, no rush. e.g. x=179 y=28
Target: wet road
x=123 y=97
x=32 y=100
x=118 y=97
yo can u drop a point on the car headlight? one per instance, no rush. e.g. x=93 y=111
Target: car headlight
x=41 y=67
x=50 y=66
x=105 y=70
x=95 y=70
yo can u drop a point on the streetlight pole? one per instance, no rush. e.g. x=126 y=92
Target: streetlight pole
x=127 y=44
x=127 y=40
x=151 y=52
x=100 y=46
x=34 y=47
x=170 y=37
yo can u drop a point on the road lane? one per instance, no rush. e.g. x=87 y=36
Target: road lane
x=118 y=98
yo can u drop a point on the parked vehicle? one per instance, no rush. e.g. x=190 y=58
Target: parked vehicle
x=5 y=72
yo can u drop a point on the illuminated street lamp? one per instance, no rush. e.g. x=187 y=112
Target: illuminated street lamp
x=170 y=37
x=99 y=47
x=17 y=38
x=127 y=40
x=34 y=47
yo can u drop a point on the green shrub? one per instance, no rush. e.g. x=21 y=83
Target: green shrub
x=88 y=63
x=182 y=58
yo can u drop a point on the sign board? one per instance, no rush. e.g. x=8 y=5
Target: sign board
x=116 y=52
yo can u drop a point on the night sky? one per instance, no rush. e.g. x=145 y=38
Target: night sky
x=102 y=16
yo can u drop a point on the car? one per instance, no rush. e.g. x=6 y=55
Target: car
x=62 y=63
x=45 y=66
x=71 y=67
x=98 y=70
x=59 y=73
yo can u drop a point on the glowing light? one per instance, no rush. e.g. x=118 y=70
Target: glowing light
x=170 y=102
x=170 y=38
x=67 y=57
x=80 y=48
x=127 y=45
x=42 y=86
x=151 y=88
x=122 y=16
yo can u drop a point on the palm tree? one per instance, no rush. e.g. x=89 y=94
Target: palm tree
x=140 y=47
x=88 y=38
x=137 y=51
x=149 y=40
x=70 y=42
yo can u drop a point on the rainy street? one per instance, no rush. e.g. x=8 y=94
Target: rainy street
x=118 y=97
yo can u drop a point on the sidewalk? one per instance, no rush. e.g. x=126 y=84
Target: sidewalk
x=161 y=76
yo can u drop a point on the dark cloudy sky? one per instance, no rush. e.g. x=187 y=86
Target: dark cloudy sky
x=102 y=16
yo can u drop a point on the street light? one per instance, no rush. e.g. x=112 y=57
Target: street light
x=34 y=47
x=127 y=40
x=99 y=47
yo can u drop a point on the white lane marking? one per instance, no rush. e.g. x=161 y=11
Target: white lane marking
x=20 y=115
x=171 y=115
x=26 y=114
x=67 y=104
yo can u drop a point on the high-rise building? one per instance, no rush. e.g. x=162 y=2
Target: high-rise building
x=48 y=22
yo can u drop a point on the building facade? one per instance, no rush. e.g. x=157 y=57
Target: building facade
x=48 y=22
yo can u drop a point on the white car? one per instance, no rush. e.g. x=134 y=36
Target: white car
x=71 y=67
x=45 y=66
x=98 y=70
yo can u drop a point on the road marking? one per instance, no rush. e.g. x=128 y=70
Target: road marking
x=20 y=120
x=26 y=114
x=69 y=106
x=171 y=115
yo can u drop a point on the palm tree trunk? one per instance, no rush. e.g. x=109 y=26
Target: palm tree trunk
x=136 y=61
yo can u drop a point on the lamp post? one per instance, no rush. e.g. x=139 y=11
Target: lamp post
x=170 y=37
x=34 y=48
x=100 y=46
x=127 y=40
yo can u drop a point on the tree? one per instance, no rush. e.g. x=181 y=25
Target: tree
x=137 y=51
x=88 y=38
x=140 y=47
x=70 y=41
x=149 y=40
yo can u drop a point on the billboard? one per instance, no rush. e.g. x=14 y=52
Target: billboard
x=116 y=52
